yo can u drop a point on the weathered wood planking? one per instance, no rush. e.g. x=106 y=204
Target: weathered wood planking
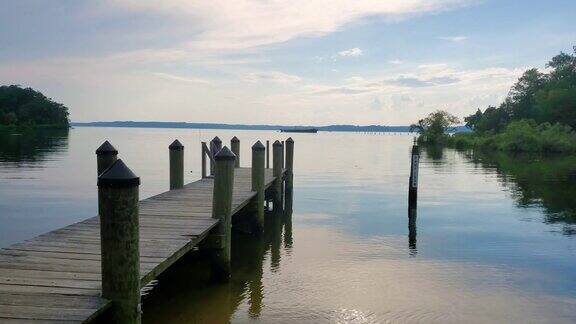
x=55 y=277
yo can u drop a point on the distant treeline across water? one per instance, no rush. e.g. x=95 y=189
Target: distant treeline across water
x=331 y=128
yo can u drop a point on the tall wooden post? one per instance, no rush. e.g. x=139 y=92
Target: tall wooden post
x=267 y=154
x=258 y=182
x=119 y=239
x=283 y=155
x=413 y=185
x=215 y=146
x=277 y=172
x=221 y=209
x=176 y=165
x=235 y=147
x=106 y=154
x=289 y=174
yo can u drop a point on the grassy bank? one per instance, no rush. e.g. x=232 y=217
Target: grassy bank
x=519 y=136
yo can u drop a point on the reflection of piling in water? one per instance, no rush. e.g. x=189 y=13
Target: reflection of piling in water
x=412 y=231
x=413 y=183
x=289 y=183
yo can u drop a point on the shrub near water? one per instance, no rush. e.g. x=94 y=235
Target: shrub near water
x=521 y=136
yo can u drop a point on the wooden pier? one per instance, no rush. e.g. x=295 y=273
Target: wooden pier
x=59 y=276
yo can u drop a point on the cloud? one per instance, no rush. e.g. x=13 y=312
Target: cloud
x=352 y=52
x=173 y=77
x=242 y=24
x=275 y=77
x=415 y=82
x=376 y=104
x=396 y=62
x=454 y=39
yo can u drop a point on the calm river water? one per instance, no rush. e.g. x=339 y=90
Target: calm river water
x=494 y=239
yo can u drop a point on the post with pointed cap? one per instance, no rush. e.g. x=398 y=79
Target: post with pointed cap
x=277 y=172
x=289 y=173
x=258 y=183
x=215 y=146
x=413 y=185
x=222 y=209
x=118 y=205
x=176 y=165
x=106 y=154
x=235 y=146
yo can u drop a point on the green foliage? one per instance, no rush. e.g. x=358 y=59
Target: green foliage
x=520 y=136
x=542 y=97
x=433 y=128
x=25 y=107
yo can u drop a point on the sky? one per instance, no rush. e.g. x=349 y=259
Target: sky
x=299 y=62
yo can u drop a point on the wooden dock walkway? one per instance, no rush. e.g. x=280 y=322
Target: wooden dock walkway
x=57 y=276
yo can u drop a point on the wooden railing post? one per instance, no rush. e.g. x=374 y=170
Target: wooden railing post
x=222 y=209
x=215 y=146
x=413 y=185
x=289 y=173
x=119 y=240
x=277 y=172
x=106 y=154
x=258 y=182
x=176 y=165
x=235 y=146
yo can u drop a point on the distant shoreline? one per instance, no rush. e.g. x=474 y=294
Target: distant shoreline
x=330 y=128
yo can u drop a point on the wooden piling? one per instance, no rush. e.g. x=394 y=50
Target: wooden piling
x=176 y=165
x=258 y=183
x=413 y=184
x=106 y=155
x=289 y=174
x=119 y=240
x=267 y=154
x=221 y=209
x=283 y=155
x=215 y=146
x=235 y=147
x=277 y=172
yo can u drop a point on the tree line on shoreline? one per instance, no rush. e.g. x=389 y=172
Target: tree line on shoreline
x=28 y=108
x=538 y=115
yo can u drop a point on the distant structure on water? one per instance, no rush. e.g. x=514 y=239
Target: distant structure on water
x=299 y=130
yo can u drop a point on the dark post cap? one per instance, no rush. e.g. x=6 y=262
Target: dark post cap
x=176 y=145
x=235 y=139
x=225 y=154
x=106 y=149
x=277 y=143
x=118 y=175
x=216 y=139
x=290 y=140
x=258 y=146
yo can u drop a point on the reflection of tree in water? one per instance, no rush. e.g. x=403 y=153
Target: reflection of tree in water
x=186 y=295
x=546 y=181
x=32 y=146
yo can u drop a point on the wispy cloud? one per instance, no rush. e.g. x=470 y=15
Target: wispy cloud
x=396 y=62
x=274 y=77
x=454 y=39
x=186 y=79
x=352 y=52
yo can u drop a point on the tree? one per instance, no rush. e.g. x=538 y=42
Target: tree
x=433 y=128
x=27 y=107
x=473 y=120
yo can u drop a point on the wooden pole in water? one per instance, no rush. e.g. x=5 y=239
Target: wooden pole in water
x=283 y=154
x=235 y=147
x=413 y=185
x=176 y=165
x=277 y=172
x=221 y=209
x=215 y=146
x=258 y=182
x=106 y=155
x=267 y=154
x=119 y=240
x=289 y=173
